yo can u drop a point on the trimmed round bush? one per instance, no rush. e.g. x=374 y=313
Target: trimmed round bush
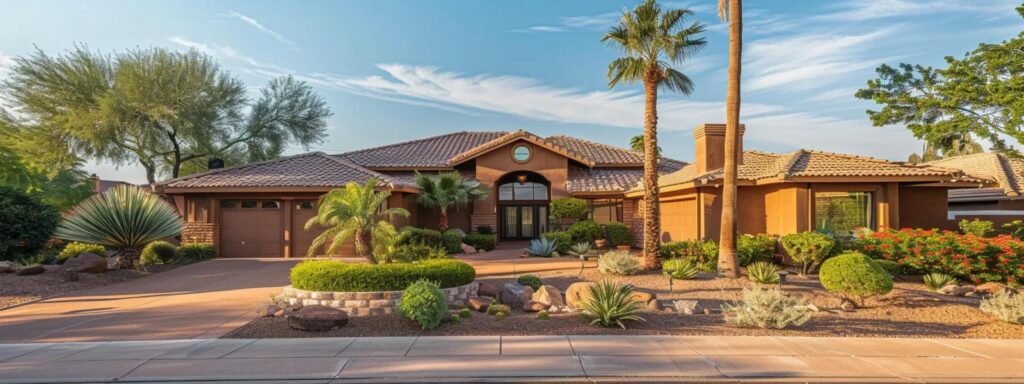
x=424 y=303
x=569 y=208
x=423 y=236
x=618 y=234
x=586 y=231
x=531 y=281
x=76 y=248
x=158 y=252
x=26 y=225
x=854 y=275
x=564 y=239
x=484 y=241
x=452 y=240
x=191 y=253
x=336 y=276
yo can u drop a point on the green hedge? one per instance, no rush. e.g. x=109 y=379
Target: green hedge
x=483 y=241
x=190 y=253
x=335 y=276
x=564 y=239
x=618 y=234
x=424 y=236
x=418 y=252
x=452 y=240
x=569 y=208
x=586 y=231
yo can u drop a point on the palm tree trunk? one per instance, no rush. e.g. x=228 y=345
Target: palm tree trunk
x=652 y=217
x=728 y=264
x=362 y=242
x=444 y=220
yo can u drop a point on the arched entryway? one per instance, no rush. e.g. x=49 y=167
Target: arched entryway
x=523 y=199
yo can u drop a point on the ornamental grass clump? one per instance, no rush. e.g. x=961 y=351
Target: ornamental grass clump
x=158 y=252
x=1005 y=306
x=854 y=276
x=619 y=263
x=680 y=269
x=938 y=280
x=809 y=249
x=610 y=304
x=424 y=303
x=765 y=308
x=763 y=272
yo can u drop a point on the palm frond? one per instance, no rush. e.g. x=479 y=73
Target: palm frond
x=677 y=81
x=625 y=69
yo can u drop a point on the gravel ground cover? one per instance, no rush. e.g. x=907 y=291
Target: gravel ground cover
x=21 y=289
x=910 y=310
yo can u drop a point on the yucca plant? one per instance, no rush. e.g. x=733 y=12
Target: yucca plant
x=610 y=304
x=542 y=247
x=682 y=269
x=763 y=272
x=581 y=248
x=938 y=280
x=125 y=218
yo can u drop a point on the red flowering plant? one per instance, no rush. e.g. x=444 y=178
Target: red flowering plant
x=974 y=258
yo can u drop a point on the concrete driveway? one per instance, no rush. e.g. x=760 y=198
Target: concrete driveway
x=203 y=300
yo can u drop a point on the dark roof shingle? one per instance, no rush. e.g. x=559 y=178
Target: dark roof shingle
x=430 y=152
x=314 y=169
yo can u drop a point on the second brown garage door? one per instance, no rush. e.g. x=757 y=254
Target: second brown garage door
x=250 y=228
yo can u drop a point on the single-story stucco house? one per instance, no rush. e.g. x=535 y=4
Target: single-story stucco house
x=1001 y=203
x=258 y=209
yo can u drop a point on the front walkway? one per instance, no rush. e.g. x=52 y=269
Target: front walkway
x=202 y=300
x=506 y=259
x=521 y=358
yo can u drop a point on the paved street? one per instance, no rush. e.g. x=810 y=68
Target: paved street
x=520 y=359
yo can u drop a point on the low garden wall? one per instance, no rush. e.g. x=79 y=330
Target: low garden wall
x=367 y=303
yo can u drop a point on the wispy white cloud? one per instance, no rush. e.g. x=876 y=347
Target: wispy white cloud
x=221 y=51
x=262 y=28
x=599 y=20
x=603 y=20
x=539 y=28
x=860 y=10
x=805 y=130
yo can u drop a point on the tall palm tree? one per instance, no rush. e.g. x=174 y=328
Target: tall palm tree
x=356 y=212
x=728 y=264
x=446 y=190
x=651 y=40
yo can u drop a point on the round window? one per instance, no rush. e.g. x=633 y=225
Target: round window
x=521 y=153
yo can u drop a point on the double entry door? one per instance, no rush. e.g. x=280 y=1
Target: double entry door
x=523 y=222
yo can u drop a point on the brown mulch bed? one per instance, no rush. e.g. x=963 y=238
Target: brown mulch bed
x=21 y=289
x=909 y=311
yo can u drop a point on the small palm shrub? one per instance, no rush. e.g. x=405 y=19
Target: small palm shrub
x=980 y=228
x=158 y=252
x=763 y=272
x=765 y=308
x=542 y=247
x=417 y=252
x=580 y=249
x=562 y=238
x=751 y=249
x=76 y=248
x=484 y=241
x=1005 y=306
x=531 y=281
x=618 y=234
x=619 y=263
x=191 y=253
x=807 y=249
x=499 y=311
x=610 y=305
x=682 y=269
x=452 y=240
x=854 y=275
x=938 y=280
x=25 y=224
x=424 y=303
x=586 y=230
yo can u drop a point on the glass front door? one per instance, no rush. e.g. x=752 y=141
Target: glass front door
x=523 y=222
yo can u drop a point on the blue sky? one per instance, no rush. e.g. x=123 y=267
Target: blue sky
x=398 y=70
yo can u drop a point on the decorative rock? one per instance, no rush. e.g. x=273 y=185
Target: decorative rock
x=452 y=304
x=317 y=318
x=812 y=307
x=534 y=306
x=577 y=293
x=270 y=310
x=487 y=290
x=554 y=309
x=956 y=290
x=280 y=312
x=847 y=305
x=641 y=296
x=515 y=295
x=86 y=262
x=654 y=305
x=989 y=288
x=6 y=267
x=550 y=295
x=34 y=269
x=479 y=303
x=687 y=307
x=467 y=249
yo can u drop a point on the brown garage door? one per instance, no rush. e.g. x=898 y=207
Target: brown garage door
x=678 y=220
x=250 y=228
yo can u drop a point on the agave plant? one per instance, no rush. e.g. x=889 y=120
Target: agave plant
x=542 y=247
x=763 y=272
x=125 y=218
x=611 y=304
x=938 y=280
x=682 y=269
x=580 y=249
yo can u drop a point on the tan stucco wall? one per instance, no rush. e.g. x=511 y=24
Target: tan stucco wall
x=492 y=165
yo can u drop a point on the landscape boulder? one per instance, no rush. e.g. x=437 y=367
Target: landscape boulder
x=549 y=295
x=688 y=307
x=6 y=267
x=515 y=295
x=34 y=269
x=992 y=288
x=956 y=290
x=577 y=293
x=487 y=290
x=479 y=303
x=534 y=306
x=467 y=249
x=641 y=296
x=317 y=318
x=86 y=262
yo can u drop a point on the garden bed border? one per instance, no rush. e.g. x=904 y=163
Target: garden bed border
x=377 y=303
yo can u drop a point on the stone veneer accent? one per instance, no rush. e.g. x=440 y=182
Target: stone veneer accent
x=198 y=233
x=632 y=216
x=367 y=303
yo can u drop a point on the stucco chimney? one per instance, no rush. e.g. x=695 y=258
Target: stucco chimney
x=710 y=143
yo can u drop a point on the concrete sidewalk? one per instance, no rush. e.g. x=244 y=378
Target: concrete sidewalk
x=520 y=359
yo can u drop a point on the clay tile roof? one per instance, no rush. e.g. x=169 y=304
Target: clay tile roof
x=1008 y=172
x=611 y=179
x=429 y=152
x=314 y=169
x=519 y=135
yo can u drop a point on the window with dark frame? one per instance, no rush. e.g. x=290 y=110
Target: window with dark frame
x=842 y=213
x=604 y=211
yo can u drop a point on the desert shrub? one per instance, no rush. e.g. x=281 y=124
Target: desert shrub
x=765 y=308
x=531 y=281
x=854 y=275
x=618 y=262
x=481 y=240
x=682 y=269
x=618 y=234
x=701 y=252
x=417 y=252
x=610 y=304
x=891 y=267
x=499 y=310
x=763 y=272
x=543 y=315
x=424 y=303
x=326 y=275
x=1014 y=228
x=1005 y=306
x=542 y=247
x=938 y=280
x=580 y=249
x=967 y=257
x=569 y=208
x=465 y=313
x=586 y=230
x=485 y=229
x=751 y=249
x=564 y=239
x=807 y=249
x=25 y=224
x=158 y=252
x=982 y=228
x=191 y=253
x=452 y=240
x=421 y=236
x=76 y=248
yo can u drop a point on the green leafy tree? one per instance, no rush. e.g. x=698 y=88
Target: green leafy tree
x=355 y=212
x=651 y=40
x=446 y=190
x=637 y=144
x=53 y=177
x=978 y=95
x=158 y=108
